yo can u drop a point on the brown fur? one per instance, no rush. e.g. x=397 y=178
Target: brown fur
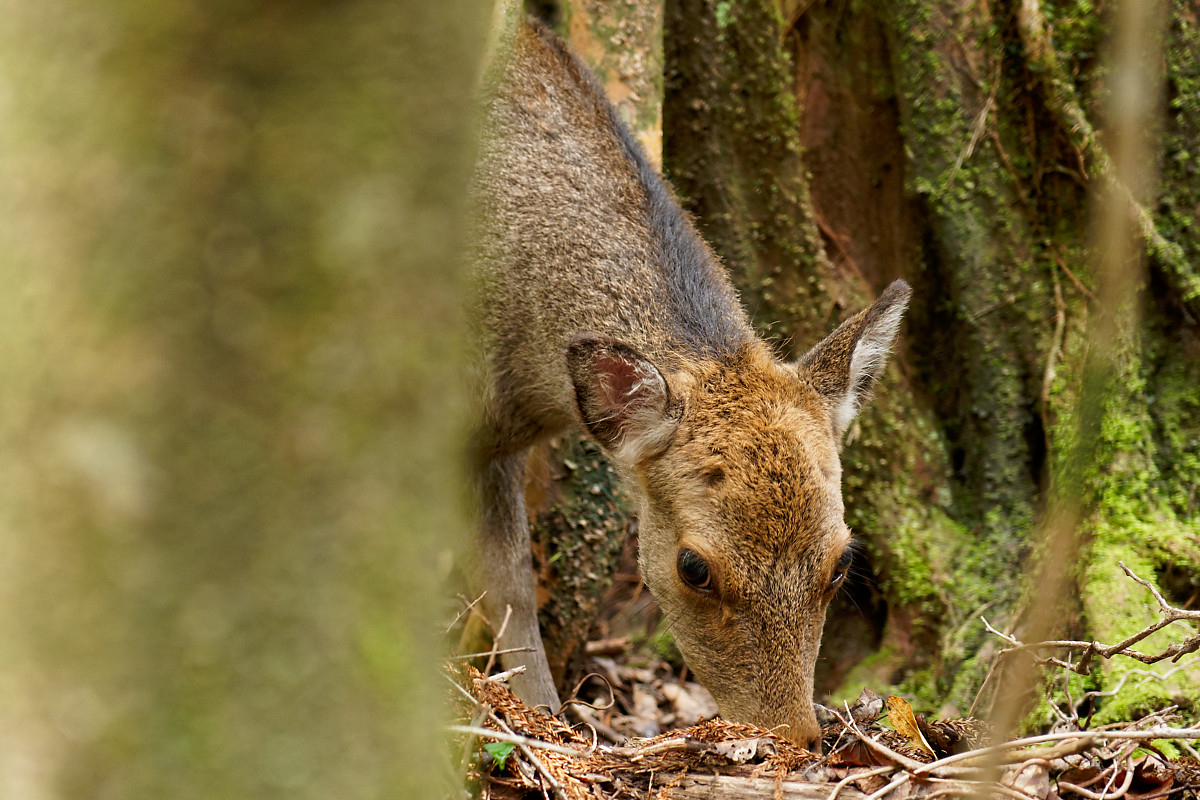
x=600 y=306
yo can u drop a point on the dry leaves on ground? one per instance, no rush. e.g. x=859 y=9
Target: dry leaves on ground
x=545 y=757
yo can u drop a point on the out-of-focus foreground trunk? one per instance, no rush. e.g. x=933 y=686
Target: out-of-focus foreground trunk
x=231 y=408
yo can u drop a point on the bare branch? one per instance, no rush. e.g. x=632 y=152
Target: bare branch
x=854 y=776
x=1168 y=609
x=466 y=610
x=493 y=652
x=1088 y=650
x=496 y=640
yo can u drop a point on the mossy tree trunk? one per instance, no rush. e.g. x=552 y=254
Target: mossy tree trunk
x=827 y=148
x=231 y=407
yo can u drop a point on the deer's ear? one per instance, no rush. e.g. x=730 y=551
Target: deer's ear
x=623 y=399
x=844 y=367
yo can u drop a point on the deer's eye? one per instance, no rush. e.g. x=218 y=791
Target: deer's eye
x=841 y=568
x=694 y=571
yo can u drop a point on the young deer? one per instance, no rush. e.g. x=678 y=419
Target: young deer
x=600 y=305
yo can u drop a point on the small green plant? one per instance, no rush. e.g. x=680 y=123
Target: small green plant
x=500 y=751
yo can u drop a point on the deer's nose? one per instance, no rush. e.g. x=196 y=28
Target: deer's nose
x=806 y=736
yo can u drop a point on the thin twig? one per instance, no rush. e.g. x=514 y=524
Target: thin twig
x=1169 y=615
x=1073 y=719
x=464 y=612
x=1124 y=785
x=1125 y=676
x=879 y=747
x=582 y=712
x=977 y=131
x=987 y=680
x=896 y=784
x=987 y=753
x=1085 y=740
x=962 y=787
x=491 y=662
x=1086 y=292
x=469 y=746
x=516 y=738
x=525 y=746
x=493 y=652
x=857 y=775
x=502 y=677
x=1176 y=613
x=454 y=683
x=1099 y=776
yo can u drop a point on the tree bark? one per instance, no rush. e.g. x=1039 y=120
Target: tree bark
x=827 y=148
x=728 y=787
x=622 y=44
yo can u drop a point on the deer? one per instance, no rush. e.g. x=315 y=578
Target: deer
x=599 y=307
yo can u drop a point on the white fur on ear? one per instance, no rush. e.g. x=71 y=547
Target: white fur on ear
x=867 y=362
x=844 y=366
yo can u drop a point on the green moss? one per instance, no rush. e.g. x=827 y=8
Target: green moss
x=722 y=13
x=1117 y=608
x=986 y=329
x=582 y=535
x=875 y=673
x=730 y=92
x=948 y=510
x=663 y=643
x=976 y=221
x=1141 y=512
x=1179 y=203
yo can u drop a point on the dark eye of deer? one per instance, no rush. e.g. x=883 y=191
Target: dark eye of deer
x=843 y=566
x=694 y=571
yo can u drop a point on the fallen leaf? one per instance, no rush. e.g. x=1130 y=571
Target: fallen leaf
x=692 y=702
x=1151 y=777
x=1031 y=780
x=856 y=754
x=905 y=722
x=867 y=707
x=739 y=751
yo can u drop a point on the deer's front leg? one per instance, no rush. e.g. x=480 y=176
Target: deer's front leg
x=503 y=568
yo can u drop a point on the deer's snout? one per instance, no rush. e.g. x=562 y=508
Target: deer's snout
x=799 y=727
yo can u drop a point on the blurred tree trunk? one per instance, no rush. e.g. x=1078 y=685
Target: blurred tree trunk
x=828 y=148
x=231 y=411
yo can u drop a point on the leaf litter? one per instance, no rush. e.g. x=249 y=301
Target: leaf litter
x=638 y=730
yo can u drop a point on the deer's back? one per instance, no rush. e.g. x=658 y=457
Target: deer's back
x=576 y=232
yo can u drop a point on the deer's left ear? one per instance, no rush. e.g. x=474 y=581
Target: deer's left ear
x=845 y=365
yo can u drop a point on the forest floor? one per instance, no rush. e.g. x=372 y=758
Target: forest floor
x=635 y=726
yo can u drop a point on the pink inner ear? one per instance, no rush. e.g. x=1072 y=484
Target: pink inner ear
x=618 y=380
